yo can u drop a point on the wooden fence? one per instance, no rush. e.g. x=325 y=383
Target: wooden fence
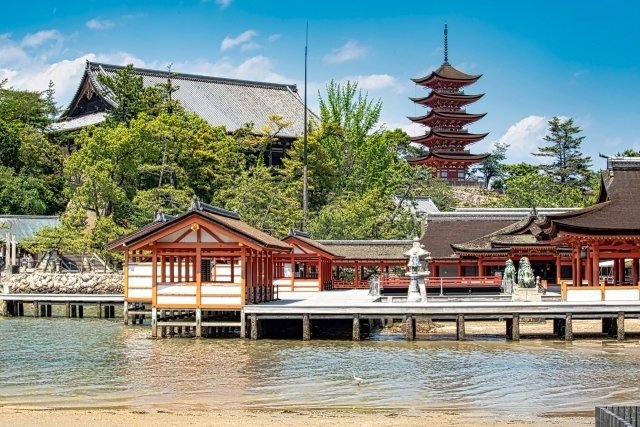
x=617 y=416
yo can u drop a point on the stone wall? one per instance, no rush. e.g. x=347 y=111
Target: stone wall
x=63 y=283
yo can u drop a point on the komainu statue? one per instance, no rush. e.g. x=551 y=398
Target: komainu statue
x=509 y=277
x=526 y=279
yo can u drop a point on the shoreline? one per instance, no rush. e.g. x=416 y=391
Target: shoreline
x=27 y=417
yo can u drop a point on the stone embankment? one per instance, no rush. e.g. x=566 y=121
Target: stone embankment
x=63 y=283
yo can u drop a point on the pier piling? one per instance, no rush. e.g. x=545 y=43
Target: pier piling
x=356 y=328
x=254 y=327
x=460 y=327
x=410 y=324
x=513 y=328
x=306 y=327
x=620 y=325
x=568 y=327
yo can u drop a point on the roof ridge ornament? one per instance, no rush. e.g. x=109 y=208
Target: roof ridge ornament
x=446 y=45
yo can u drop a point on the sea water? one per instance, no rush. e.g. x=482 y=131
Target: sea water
x=88 y=363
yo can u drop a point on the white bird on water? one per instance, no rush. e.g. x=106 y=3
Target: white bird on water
x=358 y=380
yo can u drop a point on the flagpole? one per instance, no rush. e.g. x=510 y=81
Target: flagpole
x=305 y=172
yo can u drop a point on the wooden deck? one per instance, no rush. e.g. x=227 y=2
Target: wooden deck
x=357 y=305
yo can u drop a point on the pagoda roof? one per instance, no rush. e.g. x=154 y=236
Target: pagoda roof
x=619 y=199
x=220 y=101
x=457 y=98
x=448 y=73
x=437 y=135
x=446 y=115
x=447 y=156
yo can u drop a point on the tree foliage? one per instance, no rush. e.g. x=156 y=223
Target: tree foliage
x=567 y=164
x=492 y=167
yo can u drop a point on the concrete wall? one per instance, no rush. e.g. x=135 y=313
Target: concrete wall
x=63 y=283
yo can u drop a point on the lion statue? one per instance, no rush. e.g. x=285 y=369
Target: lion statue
x=509 y=277
x=526 y=279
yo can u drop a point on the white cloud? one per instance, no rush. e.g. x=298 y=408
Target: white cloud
x=524 y=138
x=273 y=37
x=376 y=82
x=37 y=39
x=349 y=51
x=97 y=24
x=223 y=3
x=242 y=39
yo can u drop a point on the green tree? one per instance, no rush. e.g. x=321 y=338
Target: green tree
x=492 y=167
x=567 y=163
x=131 y=97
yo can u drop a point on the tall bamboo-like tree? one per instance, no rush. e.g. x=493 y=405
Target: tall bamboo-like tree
x=568 y=165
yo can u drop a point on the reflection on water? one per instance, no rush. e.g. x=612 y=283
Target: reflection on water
x=89 y=363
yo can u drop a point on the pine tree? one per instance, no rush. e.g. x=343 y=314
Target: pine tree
x=568 y=165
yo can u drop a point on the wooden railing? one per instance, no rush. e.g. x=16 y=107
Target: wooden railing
x=349 y=284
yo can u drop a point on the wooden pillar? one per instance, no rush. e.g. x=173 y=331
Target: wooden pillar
x=595 y=267
x=621 y=270
x=568 y=327
x=634 y=272
x=578 y=281
x=356 y=327
x=198 y=277
x=513 y=328
x=460 y=327
x=558 y=268
x=356 y=275
x=410 y=325
x=99 y=310
x=198 y=322
x=67 y=309
x=306 y=327
x=480 y=266
x=620 y=323
x=616 y=272
x=154 y=322
x=254 y=327
x=588 y=268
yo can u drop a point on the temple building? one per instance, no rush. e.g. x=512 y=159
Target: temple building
x=447 y=137
x=221 y=102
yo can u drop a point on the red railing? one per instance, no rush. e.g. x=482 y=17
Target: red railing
x=444 y=282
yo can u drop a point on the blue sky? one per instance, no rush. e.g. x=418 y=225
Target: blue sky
x=577 y=59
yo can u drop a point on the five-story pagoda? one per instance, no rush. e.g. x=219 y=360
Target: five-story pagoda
x=447 y=137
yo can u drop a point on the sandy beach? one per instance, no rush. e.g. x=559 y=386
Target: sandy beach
x=281 y=418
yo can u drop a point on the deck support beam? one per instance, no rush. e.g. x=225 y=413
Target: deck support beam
x=67 y=309
x=306 y=327
x=125 y=312
x=254 y=327
x=154 y=322
x=620 y=326
x=5 y=308
x=410 y=324
x=99 y=310
x=513 y=328
x=460 y=327
x=356 y=328
x=568 y=327
x=198 y=323
x=243 y=324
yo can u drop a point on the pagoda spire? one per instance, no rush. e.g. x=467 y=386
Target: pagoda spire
x=446 y=45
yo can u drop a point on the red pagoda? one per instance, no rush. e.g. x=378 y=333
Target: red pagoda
x=447 y=137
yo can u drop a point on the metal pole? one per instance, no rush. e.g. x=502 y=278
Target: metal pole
x=305 y=172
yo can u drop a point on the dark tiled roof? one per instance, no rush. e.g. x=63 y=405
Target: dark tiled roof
x=369 y=249
x=439 y=234
x=220 y=101
x=616 y=213
x=448 y=72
